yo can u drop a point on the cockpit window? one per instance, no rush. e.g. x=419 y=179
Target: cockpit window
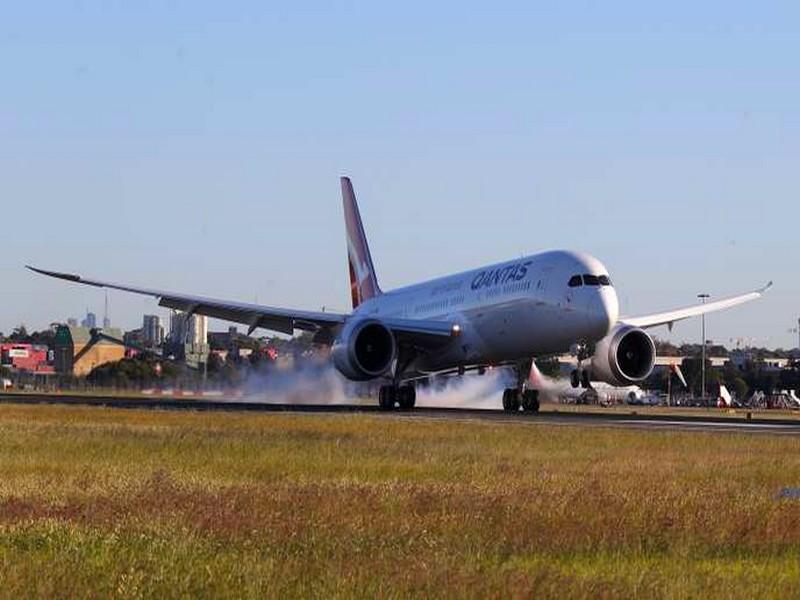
x=604 y=280
x=591 y=280
x=575 y=281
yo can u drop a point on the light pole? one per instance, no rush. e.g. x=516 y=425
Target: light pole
x=703 y=298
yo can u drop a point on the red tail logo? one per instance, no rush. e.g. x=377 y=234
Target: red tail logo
x=363 y=283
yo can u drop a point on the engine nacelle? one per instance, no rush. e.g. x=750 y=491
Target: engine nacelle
x=364 y=349
x=626 y=356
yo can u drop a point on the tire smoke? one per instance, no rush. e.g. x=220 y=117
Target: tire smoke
x=312 y=384
x=468 y=391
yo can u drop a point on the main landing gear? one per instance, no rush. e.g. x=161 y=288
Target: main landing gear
x=392 y=396
x=514 y=399
x=521 y=396
x=580 y=378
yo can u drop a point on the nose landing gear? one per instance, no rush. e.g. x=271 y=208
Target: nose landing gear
x=580 y=377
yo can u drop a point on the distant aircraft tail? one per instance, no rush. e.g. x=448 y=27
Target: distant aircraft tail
x=725 y=398
x=363 y=282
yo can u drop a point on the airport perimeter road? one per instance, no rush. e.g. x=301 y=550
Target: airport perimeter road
x=705 y=422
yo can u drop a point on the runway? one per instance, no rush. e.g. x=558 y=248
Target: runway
x=740 y=422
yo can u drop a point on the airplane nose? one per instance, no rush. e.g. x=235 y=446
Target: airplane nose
x=603 y=311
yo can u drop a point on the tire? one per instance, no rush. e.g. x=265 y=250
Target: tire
x=530 y=401
x=510 y=400
x=407 y=397
x=386 y=397
x=573 y=379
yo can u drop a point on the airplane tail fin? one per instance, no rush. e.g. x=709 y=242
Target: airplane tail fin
x=363 y=281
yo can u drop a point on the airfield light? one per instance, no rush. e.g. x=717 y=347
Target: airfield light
x=703 y=298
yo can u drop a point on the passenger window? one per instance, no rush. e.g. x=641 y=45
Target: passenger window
x=591 y=280
x=575 y=281
x=604 y=280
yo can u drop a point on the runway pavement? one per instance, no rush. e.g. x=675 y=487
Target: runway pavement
x=740 y=422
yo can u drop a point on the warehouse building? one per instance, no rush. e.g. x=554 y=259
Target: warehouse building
x=78 y=350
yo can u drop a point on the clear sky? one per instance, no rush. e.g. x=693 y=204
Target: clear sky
x=196 y=146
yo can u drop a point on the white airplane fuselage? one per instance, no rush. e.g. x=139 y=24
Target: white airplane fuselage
x=507 y=311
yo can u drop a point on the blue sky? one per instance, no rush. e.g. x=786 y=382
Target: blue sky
x=197 y=147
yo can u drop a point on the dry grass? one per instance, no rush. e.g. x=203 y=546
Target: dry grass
x=97 y=502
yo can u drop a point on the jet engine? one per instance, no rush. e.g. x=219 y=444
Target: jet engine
x=364 y=349
x=626 y=356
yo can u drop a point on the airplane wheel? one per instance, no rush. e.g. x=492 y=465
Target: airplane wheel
x=530 y=401
x=585 y=380
x=407 y=397
x=573 y=379
x=510 y=400
x=386 y=397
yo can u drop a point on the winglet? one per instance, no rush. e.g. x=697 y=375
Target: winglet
x=57 y=275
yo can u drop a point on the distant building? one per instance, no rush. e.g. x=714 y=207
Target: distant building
x=152 y=330
x=90 y=322
x=72 y=322
x=198 y=330
x=226 y=340
x=740 y=358
x=132 y=338
x=188 y=338
x=77 y=352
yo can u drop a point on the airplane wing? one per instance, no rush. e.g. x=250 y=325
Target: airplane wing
x=253 y=315
x=669 y=317
x=422 y=333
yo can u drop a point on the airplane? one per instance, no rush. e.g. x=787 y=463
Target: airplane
x=502 y=314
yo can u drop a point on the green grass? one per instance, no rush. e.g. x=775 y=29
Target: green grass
x=97 y=503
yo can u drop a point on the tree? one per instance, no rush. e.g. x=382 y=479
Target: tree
x=740 y=388
x=124 y=372
x=46 y=337
x=213 y=364
x=692 y=371
x=664 y=348
x=20 y=334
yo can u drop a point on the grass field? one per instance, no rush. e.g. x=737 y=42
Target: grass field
x=99 y=502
